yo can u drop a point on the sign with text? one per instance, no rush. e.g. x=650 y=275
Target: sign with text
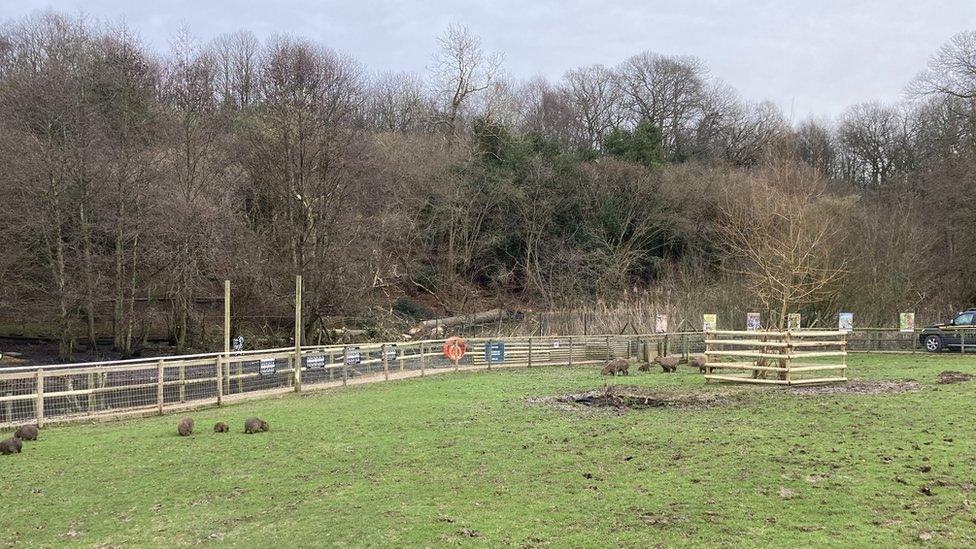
x=709 y=322
x=353 y=356
x=753 y=321
x=495 y=351
x=267 y=367
x=391 y=352
x=793 y=321
x=845 y=322
x=661 y=324
x=906 y=322
x=315 y=362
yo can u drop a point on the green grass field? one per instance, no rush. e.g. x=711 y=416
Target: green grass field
x=462 y=459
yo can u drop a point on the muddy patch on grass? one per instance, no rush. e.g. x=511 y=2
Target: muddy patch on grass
x=620 y=399
x=858 y=387
x=949 y=376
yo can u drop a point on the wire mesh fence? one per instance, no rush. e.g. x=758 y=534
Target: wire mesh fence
x=66 y=392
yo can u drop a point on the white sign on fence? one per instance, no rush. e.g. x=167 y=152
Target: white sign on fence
x=267 y=367
x=315 y=362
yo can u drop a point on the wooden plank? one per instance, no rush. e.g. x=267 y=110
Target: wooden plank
x=818 y=380
x=751 y=354
x=748 y=380
x=740 y=366
x=818 y=368
x=804 y=354
x=746 y=343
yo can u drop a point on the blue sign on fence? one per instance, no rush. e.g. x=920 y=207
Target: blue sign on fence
x=495 y=351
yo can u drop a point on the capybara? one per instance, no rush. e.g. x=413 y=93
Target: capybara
x=185 y=428
x=26 y=432
x=668 y=363
x=645 y=367
x=617 y=366
x=11 y=446
x=253 y=425
x=221 y=427
x=697 y=361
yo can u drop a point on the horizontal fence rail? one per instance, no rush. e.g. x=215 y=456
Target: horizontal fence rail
x=88 y=391
x=93 y=390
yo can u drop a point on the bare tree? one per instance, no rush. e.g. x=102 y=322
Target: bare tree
x=461 y=70
x=235 y=59
x=875 y=143
x=951 y=70
x=667 y=90
x=595 y=99
x=782 y=236
x=397 y=103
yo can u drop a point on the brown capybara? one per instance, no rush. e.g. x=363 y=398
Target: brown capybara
x=697 y=361
x=11 y=446
x=668 y=363
x=253 y=425
x=617 y=366
x=185 y=428
x=221 y=427
x=645 y=367
x=26 y=432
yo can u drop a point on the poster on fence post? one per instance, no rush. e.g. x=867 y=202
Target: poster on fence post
x=845 y=322
x=753 y=321
x=793 y=321
x=661 y=324
x=906 y=322
x=709 y=322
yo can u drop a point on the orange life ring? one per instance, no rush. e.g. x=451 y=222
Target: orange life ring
x=454 y=348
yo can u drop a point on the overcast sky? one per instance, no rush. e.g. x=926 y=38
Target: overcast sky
x=810 y=57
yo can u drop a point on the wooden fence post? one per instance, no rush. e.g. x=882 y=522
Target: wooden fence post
x=182 y=382
x=609 y=354
x=423 y=359
x=299 y=329
x=345 y=363
x=220 y=381
x=91 y=394
x=159 y=387
x=570 y=350
x=386 y=363
x=530 y=352
x=39 y=403
x=488 y=354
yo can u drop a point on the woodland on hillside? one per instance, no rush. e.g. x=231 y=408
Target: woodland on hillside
x=135 y=181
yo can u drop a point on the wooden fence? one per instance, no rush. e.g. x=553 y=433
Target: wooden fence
x=781 y=358
x=85 y=392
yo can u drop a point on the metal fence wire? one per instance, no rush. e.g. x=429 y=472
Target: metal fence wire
x=59 y=393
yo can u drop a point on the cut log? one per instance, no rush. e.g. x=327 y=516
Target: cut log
x=493 y=315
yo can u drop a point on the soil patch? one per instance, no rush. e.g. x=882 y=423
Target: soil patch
x=949 y=376
x=618 y=398
x=857 y=387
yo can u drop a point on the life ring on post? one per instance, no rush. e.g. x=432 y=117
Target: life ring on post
x=454 y=348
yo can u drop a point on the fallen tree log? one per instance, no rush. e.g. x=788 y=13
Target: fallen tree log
x=494 y=315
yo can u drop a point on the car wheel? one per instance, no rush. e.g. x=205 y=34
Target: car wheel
x=933 y=344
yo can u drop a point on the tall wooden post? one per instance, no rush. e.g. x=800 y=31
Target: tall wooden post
x=182 y=382
x=386 y=363
x=227 y=318
x=91 y=393
x=608 y=349
x=488 y=353
x=345 y=363
x=220 y=381
x=530 y=352
x=299 y=329
x=159 y=387
x=570 y=350
x=39 y=403
x=423 y=359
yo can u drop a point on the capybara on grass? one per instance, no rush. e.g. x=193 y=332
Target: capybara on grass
x=697 y=361
x=11 y=446
x=617 y=366
x=221 y=427
x=668 y=363
x=26 y=432
x=645 y=367
x=185 y=428
x=253 y=425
